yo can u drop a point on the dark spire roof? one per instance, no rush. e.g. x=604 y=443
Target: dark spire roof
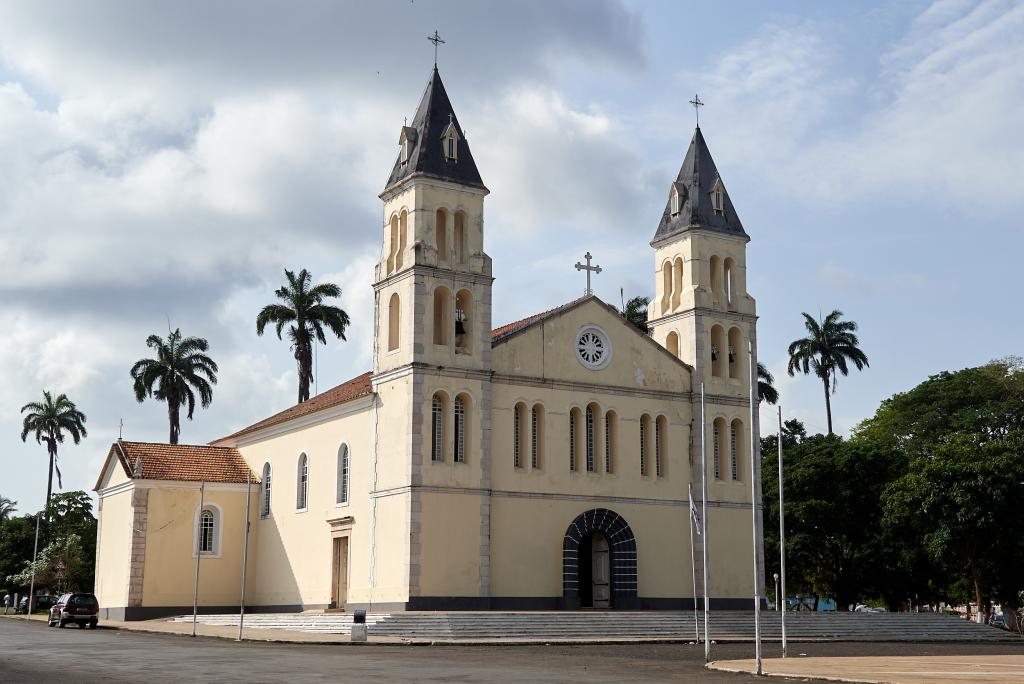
x=695 y=184
x=427 y=157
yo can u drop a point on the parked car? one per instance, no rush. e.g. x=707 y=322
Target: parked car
x=42 y=602
x=82 y=609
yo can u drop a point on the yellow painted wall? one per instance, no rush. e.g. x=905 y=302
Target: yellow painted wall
x=450 y=543
x=172 y=528
x=113 y=551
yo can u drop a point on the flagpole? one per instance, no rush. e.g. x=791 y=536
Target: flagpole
x=693 y=568
x=199 y=554
x=753 y=509
x=245 y=553
x=782 y=541
x=704 y=519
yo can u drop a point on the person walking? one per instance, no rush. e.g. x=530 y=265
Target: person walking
x=7 y=603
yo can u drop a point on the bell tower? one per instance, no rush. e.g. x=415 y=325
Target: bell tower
x=703 y=314
x=432 y=354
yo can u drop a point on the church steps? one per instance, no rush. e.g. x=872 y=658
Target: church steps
x=543 y=626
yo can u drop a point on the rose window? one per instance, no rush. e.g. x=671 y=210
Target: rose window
x=593 y=348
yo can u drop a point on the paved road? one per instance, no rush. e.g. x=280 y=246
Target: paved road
x=32 y=652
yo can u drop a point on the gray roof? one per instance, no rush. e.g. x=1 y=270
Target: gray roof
x=695 y=182
x=427 y=156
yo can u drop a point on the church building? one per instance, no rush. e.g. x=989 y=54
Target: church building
x=539 y=465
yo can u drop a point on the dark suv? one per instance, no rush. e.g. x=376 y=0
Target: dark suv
x=82 y=609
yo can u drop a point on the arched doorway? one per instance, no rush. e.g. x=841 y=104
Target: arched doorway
x=599 y=561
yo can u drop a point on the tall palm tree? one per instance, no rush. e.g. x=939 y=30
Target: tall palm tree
x=7 y=507
x=635 y=311
x=49 y=420
x=180 y=370
x=766 y=391
x=305 y=309
x=829 y=345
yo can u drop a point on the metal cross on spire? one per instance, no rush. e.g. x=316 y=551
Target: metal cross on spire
x=696 y=108
x=435 y=39
x=589 y=269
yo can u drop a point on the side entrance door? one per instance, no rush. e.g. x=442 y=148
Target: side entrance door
x=339 y=575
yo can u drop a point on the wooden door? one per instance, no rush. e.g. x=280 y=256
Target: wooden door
x=339 y=576
x=600 y=572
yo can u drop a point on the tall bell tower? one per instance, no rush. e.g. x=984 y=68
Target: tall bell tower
x=432 y=352
x=703 y=314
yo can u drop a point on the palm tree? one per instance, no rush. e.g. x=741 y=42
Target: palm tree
x=635 y=311
x=49 y=420
x=7 y=507
x=305 y=309
x=181 y=368
x=766 y=391
x=826 y=349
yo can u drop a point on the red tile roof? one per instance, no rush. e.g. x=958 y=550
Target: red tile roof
x=180 y=462
x=347 y=391
x=516 y=326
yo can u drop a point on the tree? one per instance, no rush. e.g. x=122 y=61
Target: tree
x=7 y=507
x=181 y=368
x=827 y=349
x=17 y=535
x=71 y=514
x=635 y=312
x=55 y=564
x=305 y=310
x=766 y=391
x=49 y=420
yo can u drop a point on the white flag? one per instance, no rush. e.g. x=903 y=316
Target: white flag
x=694 y=515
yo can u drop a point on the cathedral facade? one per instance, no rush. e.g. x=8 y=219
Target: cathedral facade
x=542 y=464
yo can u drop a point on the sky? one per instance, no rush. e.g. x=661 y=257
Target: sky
x=162 y=163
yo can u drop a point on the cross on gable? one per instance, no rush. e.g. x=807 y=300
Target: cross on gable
x=589 y=269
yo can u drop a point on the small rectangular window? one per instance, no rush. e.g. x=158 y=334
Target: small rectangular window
x=590 y=440
x=572 y=441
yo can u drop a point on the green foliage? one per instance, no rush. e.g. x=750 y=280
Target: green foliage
x=830 y=346
x=71 y=515
x=55 y=565
x=636 y=313
x=7 y=508
x=180 y=370
x=922 y=502
x=305 y=310
x=17 y=536
x=766 y=391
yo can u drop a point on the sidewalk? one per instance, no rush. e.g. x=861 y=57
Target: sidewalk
x=888 y=669
x=162 y=626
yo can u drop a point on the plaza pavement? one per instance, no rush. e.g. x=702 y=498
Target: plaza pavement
x=929 y=669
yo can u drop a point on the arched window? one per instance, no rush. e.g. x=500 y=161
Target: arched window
x=677 y=283
x=442 y=319
x=403 y=229
x=716 y=280
x=736 y=448
x=728 y=281
x=719 y=353
x=672 y=343
x=645 y=447
x=394 y=321
x=574 y=439
x=207 y=530
x=459 y=445
x=343 y=475
x=735 y=350
x=660 y=445
x=591 y=436
x=719 y=201
x=666 y=286
x=537 y=437
x=437 y=421
x=393 y=245
x=265 y=492
x=460 y=237
x=518 y=420
x=463 y=321
x=441 y=234
x=302 y=483
x=674 y=200
x=717 y=429
x=611 y=441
